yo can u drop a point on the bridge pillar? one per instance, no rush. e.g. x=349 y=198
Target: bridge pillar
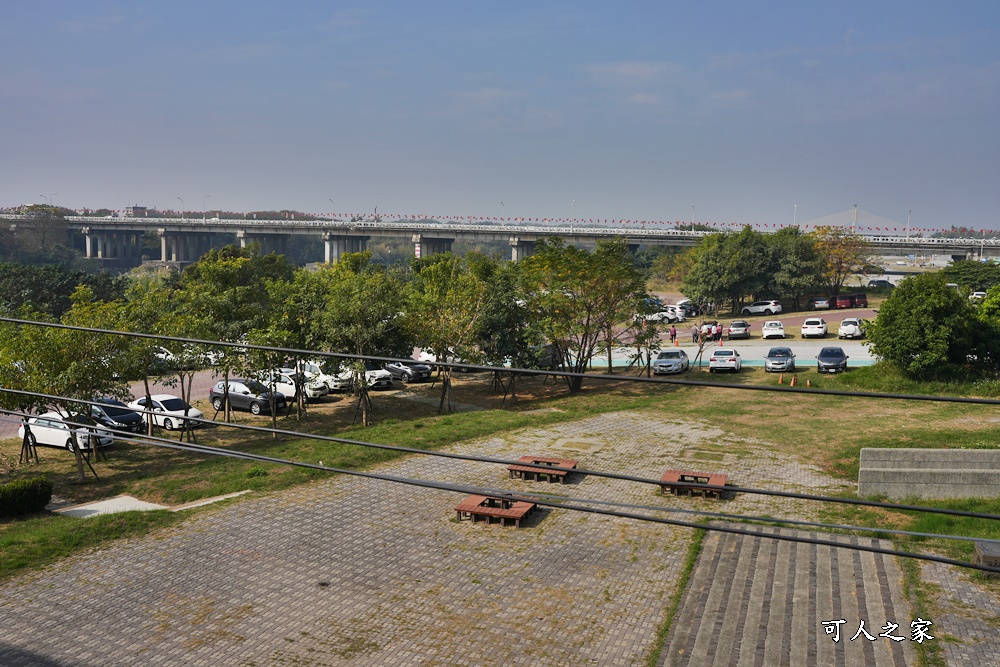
x=425 y=246
x=334 y=246
x=519 y=249
x=88 y=242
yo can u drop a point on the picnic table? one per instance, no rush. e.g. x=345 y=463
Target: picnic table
x=668 y=483
x=532 y=469
x=491 y=507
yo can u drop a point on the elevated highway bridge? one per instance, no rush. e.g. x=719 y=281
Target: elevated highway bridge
x=116 y=241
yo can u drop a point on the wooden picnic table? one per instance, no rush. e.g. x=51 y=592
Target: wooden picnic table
x=535 y=467
x=668 y=483
x=492 y=507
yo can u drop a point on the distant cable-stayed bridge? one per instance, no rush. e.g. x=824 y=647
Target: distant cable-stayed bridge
x=184 y=239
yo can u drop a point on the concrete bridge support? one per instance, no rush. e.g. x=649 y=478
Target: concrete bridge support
x=122 y=247
x=425 y=246
x=277 y=243
x=519 y=248
x=334 y=246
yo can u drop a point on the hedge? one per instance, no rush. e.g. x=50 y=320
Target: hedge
x=25 y=496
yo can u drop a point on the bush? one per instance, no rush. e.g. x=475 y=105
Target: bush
x=25 y=496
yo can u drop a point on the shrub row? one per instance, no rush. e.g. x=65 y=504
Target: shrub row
x=25 y=496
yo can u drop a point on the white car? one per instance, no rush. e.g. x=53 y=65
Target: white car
x=51 y=430
x=671 y=361
x=851 y=328
x=814 y=327
x=313 y=370
x=725 y=360
x=166 y=410
x=762 y=308
x=772 y=329
x=377 y=378
x=284 y=381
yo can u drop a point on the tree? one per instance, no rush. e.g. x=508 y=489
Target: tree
x=797 y=265
x=575 y=297
x=361 y=314
x=446 y=300
x=929 y=330
x=972 y=275
x=842 y=254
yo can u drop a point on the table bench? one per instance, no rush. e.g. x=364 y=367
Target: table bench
x=490 y=507
x=535 y=473
x=668 y=483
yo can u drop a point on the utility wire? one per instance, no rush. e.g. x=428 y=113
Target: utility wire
x=458 y=488
x=583 y=471
x=525 y=371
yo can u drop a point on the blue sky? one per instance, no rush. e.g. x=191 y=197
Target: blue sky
x=637 y=110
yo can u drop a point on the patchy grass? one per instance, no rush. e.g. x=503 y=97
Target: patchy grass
x=674 y=604
x=32 y=542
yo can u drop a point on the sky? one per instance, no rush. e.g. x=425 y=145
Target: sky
x=726 y=111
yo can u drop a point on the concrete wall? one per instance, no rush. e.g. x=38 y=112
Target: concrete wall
x=930 y=473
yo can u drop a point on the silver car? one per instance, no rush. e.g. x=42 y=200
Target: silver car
x=671 y=361
x=779 y=359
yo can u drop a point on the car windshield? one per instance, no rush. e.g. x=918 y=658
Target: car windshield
x=832 y=353
x=669 y=355
x=779 y=352
x=172 y=404
x=723 y=353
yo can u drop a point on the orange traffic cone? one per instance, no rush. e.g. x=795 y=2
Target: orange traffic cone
x=808 y=382
x=677 y=342
x=781 y=379
x=792 y=383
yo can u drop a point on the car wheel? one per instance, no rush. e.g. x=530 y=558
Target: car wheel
x=168 y=423
x=69 y=445
x=405 y=377
x=255 y=408
x=768 y=311
x=746 y=311
x=217 y=403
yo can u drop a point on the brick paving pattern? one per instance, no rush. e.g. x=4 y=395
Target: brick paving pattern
x=966 y=612
x=360 y=572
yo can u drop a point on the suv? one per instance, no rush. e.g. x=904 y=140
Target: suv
x=762 y=307
x=814 y=326
x=246 y=395
x=879 y=283
x=739 y=329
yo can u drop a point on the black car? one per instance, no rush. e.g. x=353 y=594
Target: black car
x=116 y=415
x=246 y=395
x=408 y=371
x=831 y=360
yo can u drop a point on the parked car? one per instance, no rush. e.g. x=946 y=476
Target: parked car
x=977 y=296
x=739 y=329
x=313 y=370
x=116 y=416
x=860 y=300
x=661 y=316
x=818 y=303
x=429 y=358
x=779 y=359
x=408 y=371
x=831 y=360
x=167 y=410
x=814 y=327
x=772 y=329
x=284 y=380
x=250 y=395
x=51 y=430
x=677 y=311
x=762 y=307
x=671 y=361
x=377 y=378
x=879 y=283
x=706 y=327
x=851 y=328
x=843 y=301
x=725 y=360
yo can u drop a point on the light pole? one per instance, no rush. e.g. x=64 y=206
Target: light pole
x=45 y=198
x=908 y=222
x=332 y=206
x=503 y=211
x=795 y=214
x=52 y=199
x=571 y=205
x=854 y=220
x=377 y=197
x=204 y=202
x=692 y=217
x=182 y=207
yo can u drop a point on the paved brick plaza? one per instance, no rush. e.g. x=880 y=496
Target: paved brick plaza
x=357 y=572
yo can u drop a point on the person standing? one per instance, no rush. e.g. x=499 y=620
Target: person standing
x=673 y=334
x=694 y=334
